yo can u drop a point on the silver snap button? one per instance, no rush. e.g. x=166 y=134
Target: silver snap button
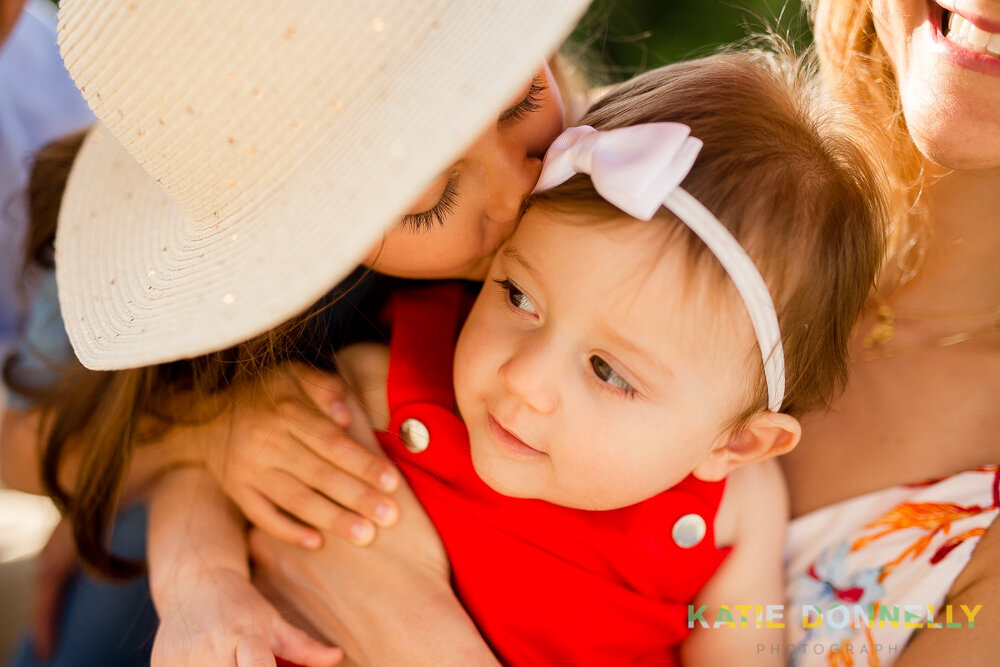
x=415 y=435
x=688 y=531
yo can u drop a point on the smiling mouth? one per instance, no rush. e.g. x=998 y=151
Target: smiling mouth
x=510 y=441
x=961 y=31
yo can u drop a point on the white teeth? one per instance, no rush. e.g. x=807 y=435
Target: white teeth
x=962 y=32
x=978 y=38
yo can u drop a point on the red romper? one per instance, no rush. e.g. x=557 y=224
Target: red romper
x=546 y=585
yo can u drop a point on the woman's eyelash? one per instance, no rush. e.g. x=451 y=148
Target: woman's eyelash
x=425 y=221
x=610 y=377
x=532 y=102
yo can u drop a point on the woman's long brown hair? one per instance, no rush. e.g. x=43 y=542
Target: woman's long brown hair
x=102 y=416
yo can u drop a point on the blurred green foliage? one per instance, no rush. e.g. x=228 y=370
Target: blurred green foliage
x=624 y=37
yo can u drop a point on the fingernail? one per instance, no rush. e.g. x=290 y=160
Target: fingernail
x=388 y=480
x=384 y=513
x=363 y=532
x=340 y=413
x=311 y=541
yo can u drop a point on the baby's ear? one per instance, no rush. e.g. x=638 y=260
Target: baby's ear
x=767 y=434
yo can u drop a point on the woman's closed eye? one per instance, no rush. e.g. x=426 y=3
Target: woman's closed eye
x=609 y=376
x=532 y=102
x=515 y=298
x=434 y=216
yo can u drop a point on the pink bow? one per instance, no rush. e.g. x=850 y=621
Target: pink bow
x=624 y=169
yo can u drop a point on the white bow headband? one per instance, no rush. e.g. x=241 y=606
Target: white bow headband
x=640 y=168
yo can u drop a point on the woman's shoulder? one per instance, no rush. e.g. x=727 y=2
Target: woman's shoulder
x=976 y=591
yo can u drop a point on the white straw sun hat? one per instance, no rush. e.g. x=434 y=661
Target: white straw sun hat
x=277 y=140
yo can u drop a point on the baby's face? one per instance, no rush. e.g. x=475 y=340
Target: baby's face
x=594 y=371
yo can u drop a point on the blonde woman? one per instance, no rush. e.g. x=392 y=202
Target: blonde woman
x=892 y=489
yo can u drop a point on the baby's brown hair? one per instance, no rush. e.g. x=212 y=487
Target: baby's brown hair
x=788 y=174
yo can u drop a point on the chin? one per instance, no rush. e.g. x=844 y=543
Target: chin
x=950 y=96
x=953 y=123
x=486 y=469
x=975 y=148
x=958 y=158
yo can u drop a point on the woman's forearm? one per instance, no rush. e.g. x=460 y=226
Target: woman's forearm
x=383 y=609
x=422 y=624
x=442 y=634
x=19 y=451
x=192 y=528
x=22 y=441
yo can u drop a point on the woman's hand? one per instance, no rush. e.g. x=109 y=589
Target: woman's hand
x=388 y=604
x=353 y=594
x=199 y=578
x=225 y=621
x=282 y=455
x=345 y=575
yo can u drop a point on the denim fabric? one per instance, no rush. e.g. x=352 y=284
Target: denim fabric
x=104 y=624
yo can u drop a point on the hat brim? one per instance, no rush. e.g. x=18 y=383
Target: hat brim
x=219 y=231
x=141 y=282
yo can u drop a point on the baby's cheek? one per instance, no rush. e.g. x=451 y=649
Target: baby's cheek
x=464 y=372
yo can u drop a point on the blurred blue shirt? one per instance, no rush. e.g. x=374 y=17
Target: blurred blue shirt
x=38 y=103
x=43 y=352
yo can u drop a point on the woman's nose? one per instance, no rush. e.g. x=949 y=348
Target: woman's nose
x=509 y=175
x=531 y=375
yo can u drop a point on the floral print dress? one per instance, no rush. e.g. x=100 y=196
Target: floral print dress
x=864 y=574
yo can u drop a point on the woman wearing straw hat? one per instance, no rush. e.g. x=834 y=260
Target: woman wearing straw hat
x=259 y=189
x=249 y=155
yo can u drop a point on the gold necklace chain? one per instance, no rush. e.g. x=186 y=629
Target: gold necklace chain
x=876 y=341
x=918 y=314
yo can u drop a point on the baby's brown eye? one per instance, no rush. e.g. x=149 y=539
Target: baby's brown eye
x=516 y=298
x=609 y=375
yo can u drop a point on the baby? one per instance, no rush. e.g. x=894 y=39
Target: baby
x=679 y=287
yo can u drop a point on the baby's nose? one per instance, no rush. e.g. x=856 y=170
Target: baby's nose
x=528 y=375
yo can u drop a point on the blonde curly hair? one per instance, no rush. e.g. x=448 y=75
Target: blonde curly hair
x=856 y=70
